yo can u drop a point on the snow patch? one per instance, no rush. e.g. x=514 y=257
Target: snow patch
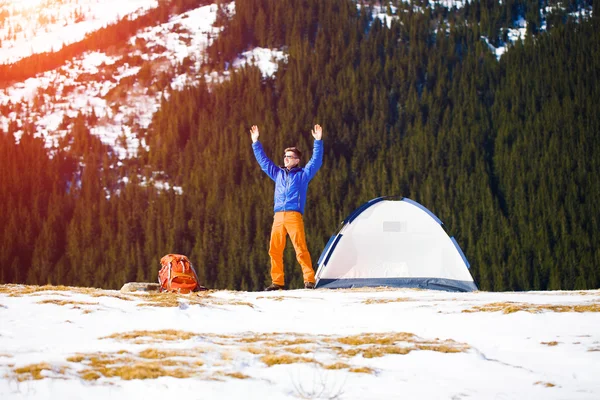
x=265 y=59
x=45 y=26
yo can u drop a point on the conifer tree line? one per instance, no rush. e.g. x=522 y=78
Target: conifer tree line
x=505 y=152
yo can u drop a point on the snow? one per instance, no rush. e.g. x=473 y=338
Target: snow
x=457 y=344
x=45 y=26
x=96 y=82
x=582 y=13
x=265 y=59
x=380 y=12
x=453 y=3
x=519 y=31
x=514 y=34
x=498 y=51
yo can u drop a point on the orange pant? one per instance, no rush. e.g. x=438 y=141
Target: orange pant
x=289 y=222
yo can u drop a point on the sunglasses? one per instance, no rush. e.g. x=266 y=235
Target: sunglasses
x=291 y=157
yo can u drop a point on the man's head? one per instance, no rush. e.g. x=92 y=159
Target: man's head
x=291 y=157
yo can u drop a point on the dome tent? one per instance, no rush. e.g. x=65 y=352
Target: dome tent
x=395 y=242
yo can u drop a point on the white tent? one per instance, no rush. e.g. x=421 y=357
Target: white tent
x=393 y=242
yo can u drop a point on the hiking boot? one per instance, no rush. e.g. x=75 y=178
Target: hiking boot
x=309 y=285
x=273 y=286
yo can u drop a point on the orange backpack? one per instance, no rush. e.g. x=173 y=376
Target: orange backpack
x=177 y=275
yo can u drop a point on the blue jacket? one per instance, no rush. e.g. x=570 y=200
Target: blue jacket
x=290 y=186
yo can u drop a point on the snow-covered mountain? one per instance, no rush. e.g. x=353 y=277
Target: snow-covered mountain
x=119 y=90
x=122 y=88
x=75 y=343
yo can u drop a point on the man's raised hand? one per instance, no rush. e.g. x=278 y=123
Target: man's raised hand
x=254 y=133
x=317 y=132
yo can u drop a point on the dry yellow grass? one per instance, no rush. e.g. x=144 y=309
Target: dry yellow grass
x=282 y=350
x=116 y=295
x=45 y=293
x=263 y=337
x=161 y=335
x=34 y=371
x=89 y=375
x=546 y=384
x=236 y=375
x=60 y=290
x=297 y=350
x=76 y=359
x=278 y=298
x=254 y=350
x=271 y=349
x=380 y=351
x=377 y=345
x=362 y=370
x=377 y=338
x=338 y=365
x=510 y=307
x=175 y=299
x=292 y=342
x=150 y=299
x=20 y=290
x=148 y=364
x=273 y=359
x=284 y=344
x=553 y=343
x=384 y=301
x=448 y=346
x=138 y=370
x=167 y=353
x=67 y=303
x=23 y=290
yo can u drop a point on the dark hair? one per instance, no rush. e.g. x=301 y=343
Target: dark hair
x=297 y=152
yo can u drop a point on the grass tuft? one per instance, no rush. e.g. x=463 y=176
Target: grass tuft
x=162 y=354
x=34 y=371
x=24 y=290
x=272 y=359
x=142 y=370
x=546 y=384
x=292 y=342
x=148 y=364
x=338 y=365
x=67 y=303
x=380 y=351
x=376 y=338
x=510 y=307
x=198 y=298
x=162 y=335
x=236 y=375
x=384 y=301
x=553 y=343
x=297 y=350
x=377 y=345
x=362 y=370
x=254 y=350
x=446 y=347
